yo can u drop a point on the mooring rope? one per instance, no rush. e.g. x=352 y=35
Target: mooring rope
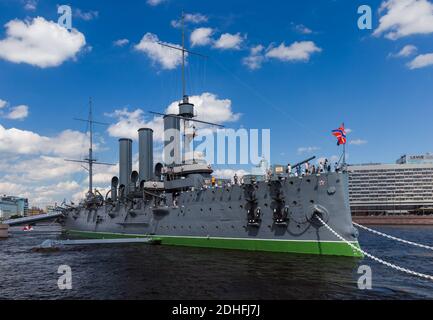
x=386 y=263
x=393 y=238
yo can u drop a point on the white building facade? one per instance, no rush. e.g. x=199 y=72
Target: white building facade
x=402 y=188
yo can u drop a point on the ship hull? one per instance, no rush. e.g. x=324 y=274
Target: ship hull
x=218 y=218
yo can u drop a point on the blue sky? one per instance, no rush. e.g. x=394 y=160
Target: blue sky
x=314 y=69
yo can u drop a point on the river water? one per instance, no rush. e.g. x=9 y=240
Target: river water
x=138 y=271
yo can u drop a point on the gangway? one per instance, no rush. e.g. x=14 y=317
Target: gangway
x=33 y=219
x=48 y=244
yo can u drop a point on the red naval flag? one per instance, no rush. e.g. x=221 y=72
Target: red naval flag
x=340 y=133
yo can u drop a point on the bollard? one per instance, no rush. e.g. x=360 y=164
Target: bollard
x=4 y=231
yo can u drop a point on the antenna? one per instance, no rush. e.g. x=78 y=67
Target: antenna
x=184 y=50
x=184 y=118
x=183 y=55
x=90 y=160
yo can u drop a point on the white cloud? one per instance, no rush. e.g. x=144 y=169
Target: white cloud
x=358 y=142
x=303 y=29
x=3 y=103
x=229 y=41
x=406 y=51
x=194 y=18
x=421 y=61
x=41 y=196
x=18 y=113
x=46 y=168
x=255 y=59
x=68 y=143
x=167 y=58
x=302 y=150
x=31 y=5
x=120 y=42
x=40 y=43
x=154 y=3
x=86 y=15
x=10 y=188
x=208 y=107
x=404 y=18
x=297 y=51
x=201 y=36
x=33 y=166
x=128 y=123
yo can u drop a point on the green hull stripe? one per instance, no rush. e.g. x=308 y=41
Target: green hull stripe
x=336 y=248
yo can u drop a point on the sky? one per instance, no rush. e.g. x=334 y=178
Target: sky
x=298 y=68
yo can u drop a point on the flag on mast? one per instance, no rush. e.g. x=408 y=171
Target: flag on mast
x=340 y=134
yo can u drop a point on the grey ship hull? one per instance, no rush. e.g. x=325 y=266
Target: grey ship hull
x=218 y=217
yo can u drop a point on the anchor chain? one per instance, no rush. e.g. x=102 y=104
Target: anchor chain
x=386 y=263
x=393 y=238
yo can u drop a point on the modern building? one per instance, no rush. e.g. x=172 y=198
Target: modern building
x=11 y=206
x=33 y=211
x=405 y=187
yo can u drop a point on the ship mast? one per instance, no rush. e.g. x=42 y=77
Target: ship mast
x=186 y=109
x=90 y=158
x=90 y=161
x=183 y=57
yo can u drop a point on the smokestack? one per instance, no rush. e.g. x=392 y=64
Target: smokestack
x=125 y=163
x=145 y=154
x=171 y=140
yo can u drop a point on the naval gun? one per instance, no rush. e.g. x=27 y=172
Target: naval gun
x=302 y=162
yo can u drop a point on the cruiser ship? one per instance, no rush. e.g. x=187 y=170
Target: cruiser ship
x=178 y=203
